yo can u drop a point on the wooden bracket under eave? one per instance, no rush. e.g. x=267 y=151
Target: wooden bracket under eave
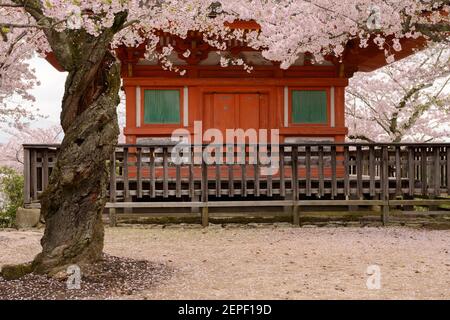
x=341 y=70
x=130 y=69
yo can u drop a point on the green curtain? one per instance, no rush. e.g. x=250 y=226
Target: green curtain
x=309 y=106
x=162 y=107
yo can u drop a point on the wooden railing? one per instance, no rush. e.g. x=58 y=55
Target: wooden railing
x=305 y=174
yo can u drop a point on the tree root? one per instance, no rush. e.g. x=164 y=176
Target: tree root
x=16 y=271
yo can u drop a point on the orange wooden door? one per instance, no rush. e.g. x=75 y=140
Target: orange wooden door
x=249 y=111
x=225 y=111
x=238 y=110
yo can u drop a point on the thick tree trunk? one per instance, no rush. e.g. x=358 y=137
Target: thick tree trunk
x=74 y=201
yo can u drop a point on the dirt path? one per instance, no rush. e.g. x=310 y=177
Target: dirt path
x=276 y=262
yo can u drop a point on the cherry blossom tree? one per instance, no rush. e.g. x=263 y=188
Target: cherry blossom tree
x=82 y=36
x=16 y=77
x=11 y=153
x=407 y=101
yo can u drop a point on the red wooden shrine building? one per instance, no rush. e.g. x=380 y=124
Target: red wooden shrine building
x=305 y=102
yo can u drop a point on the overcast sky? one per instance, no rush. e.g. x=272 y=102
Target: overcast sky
x=48 y=95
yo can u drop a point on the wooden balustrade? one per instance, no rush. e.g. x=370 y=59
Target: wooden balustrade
x=298 y=174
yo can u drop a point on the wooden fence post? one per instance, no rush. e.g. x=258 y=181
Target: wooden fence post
x=294 y=165
x=448 y=169
x=205 y=211
x=385 y=184
x=26 y=176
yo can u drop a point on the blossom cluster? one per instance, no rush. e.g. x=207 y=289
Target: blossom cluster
x=288 y=28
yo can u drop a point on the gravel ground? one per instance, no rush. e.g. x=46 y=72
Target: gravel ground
x=273 y=261
x=112 y=277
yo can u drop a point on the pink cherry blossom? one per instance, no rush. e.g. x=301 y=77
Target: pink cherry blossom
x=288 y=28
x=406 y=101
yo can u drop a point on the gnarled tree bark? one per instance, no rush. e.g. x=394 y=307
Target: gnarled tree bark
x=74 y=202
